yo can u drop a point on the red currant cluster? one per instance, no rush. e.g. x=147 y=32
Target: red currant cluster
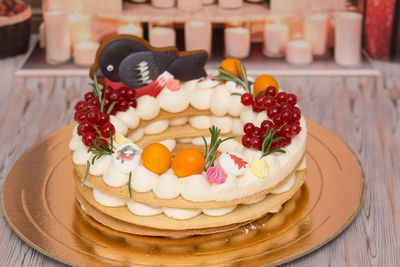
x=284 y=118
x=94 y=123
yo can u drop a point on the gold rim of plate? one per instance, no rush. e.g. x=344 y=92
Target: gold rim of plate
x=39 y=204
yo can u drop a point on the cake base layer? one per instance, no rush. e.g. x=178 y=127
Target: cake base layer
x=113 y=216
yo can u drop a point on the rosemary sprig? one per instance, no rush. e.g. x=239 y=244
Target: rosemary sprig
x=129 y=185
x=98 y=149
x=267 y=143
x=241 y=80
x=211 y=151
x=100 y=96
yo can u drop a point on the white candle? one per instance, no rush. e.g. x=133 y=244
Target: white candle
x=162 y=36
x=190 y=5
x=276 y=37
x=131 y=29
x=316 y=31
x=198 y=35
x=237 y=42
x=348 y=26
x=58 y=41
x=163 y=3
x=85 y=53
x=230 y=4
x=281 y=5
x=299 y=52
x=79 y=27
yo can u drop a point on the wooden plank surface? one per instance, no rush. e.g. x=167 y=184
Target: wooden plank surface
x=364 y=112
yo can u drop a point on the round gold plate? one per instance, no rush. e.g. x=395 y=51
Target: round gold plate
x=39 y=204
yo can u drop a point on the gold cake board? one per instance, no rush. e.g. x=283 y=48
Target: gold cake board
x=39 y=204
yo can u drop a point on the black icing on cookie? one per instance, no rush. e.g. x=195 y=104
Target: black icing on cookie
x=132 y=61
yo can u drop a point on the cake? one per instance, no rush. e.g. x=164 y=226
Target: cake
x=162 y=149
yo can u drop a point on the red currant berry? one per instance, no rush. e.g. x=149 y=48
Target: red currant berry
x=257 y=109
x=114 y=96
x=106 y=129
x=85 y=127
x=248 y=128
x=285 y=105
x=123 y=91
x=296 y=129
x=89 y=96
x=246 y=99
x=104 y=117
x=286 y=130
x=133 y=103
x=269 y=101
x=130 y=93
x=271 y=91
x=273 y=111
x=246 y=141
x=296 y=114
x=266 y=124
x=80 y=116
x=259 y=101
x=286 y=115
x=257 y=131
x=79 y=105
x=123 y=105
x=93 y=115
x=281 y=97
x=278 y=120
x=291 y=99
x=95 y=102
x=285 y=141
x=256 y=143
x=88 y=138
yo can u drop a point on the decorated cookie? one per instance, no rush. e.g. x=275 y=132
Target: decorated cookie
x=233 y=163
x=127 y=157
x=126 y=61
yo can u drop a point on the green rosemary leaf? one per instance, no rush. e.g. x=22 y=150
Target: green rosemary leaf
x=87 y=171
x=111 y=142
x=238 y=71
x=236 y=94
x=103 y=100
x=277 y=150
x=129 y=185
x=246 y=81
x=111 y=107
x=206 y=147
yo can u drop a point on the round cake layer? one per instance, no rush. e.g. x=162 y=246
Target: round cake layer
x=242 y=213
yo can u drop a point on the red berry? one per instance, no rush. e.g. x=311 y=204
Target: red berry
x=257 y=109
x=85 y=127
x=114 y=96
x=246 y=99
x=271 y=91
x=281 y=97
x=259 y=101
x=296 y=114
x=266 y=124
x=95 y=102
x=79 y=105
x=286 y=130
x=256 y=143
x=278 y=120
x=80 y=116
x=93 y=115
x=89 y=96
x=88 y=138
x=123 y=105
x=269 y=101
x=291 y=99
x=296 y=129
x=246 y=141
x=106 y=129
x=133 y=103
x=123 y=91
x=273 y=111
x=104 y=117
x=257 y=131
x=286 y=115
x=248 y=128
x=285 y=105
x=130 y=93
x=285 y=141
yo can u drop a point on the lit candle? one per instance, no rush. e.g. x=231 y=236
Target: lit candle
x=348 y=26
x=237 y=42
x=276 y=36
x=281 y=5
x=316 y=31
x=162 y=36
x=163 y=3
x=58 y=40
x=230 y=4
x=85 y=53
x=198 y=35
x=79 y=27
x=299 y=52
x=190 y=5
x=130 y=29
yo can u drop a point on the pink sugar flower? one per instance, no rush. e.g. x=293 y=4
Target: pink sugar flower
x=216 y=174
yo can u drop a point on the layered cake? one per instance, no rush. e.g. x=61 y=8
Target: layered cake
x=162 y=149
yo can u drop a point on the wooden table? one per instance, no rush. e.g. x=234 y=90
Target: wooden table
x=364 y=112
